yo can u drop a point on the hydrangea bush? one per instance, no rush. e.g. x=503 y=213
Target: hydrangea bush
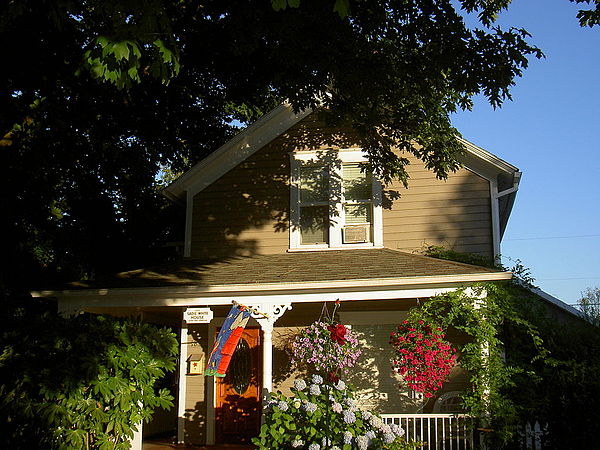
x=324 y=415
x=423 y=357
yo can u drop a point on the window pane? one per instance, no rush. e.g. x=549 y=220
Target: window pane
x=357 y=184
x=358 y=213
x=314 y=224
x=314 y=184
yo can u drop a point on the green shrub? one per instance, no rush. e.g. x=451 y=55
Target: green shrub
x=324 y=415
x=82 y=382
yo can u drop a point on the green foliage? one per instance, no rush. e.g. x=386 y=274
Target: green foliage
x=82 y=382
x=589 y=303
x=324 y=415
x=527 y=360
x=82 y=157
x=588 y=17
x=440 y=252
x=564 y=391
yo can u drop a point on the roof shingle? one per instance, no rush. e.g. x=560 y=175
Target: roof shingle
x=293 y=267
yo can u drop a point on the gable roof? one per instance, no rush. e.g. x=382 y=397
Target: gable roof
x=278 y=121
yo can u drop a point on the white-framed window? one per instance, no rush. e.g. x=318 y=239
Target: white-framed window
x=335 y=203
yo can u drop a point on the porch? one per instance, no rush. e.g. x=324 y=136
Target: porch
x=376 y=287
x=435 y=431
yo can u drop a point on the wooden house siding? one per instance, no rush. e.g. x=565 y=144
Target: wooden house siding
x=454 y=213
x=246 y=211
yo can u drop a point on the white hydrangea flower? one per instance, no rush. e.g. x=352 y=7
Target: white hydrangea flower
x=314 y=446
x=340 y=385
x=397 y=430
x=317 y=379
x=300 y=385
x=388 y=438
x=349 y=416
x=362 y=442
x=375 y=422
x=297 y=443
x=310 y=407
x=282 y=405
x=336 y=407
x=314 y=389
x=347 y=437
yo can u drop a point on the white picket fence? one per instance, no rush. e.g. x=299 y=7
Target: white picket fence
x=454 y=431
x=437 y=431
x=532 y=436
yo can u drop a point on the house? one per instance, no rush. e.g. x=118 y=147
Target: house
x=283 y=219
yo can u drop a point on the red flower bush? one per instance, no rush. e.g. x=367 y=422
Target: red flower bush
x=423 y=357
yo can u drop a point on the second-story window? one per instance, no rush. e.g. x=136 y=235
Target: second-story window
x=336 y=203
x=314 y=205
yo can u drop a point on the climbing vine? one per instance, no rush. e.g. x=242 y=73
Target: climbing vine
x=481 y=313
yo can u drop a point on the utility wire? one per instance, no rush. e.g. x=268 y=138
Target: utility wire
x=569 y=278
x=554 y=237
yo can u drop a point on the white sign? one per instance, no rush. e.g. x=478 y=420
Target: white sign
x=198 y=315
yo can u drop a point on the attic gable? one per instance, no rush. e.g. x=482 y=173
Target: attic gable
x=277 y=122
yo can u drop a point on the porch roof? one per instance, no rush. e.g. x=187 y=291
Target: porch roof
x=296 y=268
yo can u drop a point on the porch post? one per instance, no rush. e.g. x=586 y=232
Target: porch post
x=266 y=314
x=137 y=441
x=267 y=372
x=480 y=295
x=182 y=383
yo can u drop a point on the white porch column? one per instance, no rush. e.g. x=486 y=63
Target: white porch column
x=136 y=442
x=267 y=372
x=182 y=382
x=266 y=314
x=479 y=295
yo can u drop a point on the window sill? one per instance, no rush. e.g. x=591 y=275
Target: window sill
x=325 y=249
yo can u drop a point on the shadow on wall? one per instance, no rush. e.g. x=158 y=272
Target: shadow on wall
x=247 y=211
x=195 y=423
x=238 y=420
x=196 y=406
x=379 y=388
x=284 y=372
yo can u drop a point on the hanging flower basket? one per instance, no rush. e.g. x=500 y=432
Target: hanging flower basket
x=424 y=358
x=326 y=347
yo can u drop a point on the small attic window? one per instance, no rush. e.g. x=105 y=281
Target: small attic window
x=336 y=203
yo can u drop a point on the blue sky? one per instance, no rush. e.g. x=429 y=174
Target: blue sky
x=551 y=131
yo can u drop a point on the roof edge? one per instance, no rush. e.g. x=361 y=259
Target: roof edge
x=556 y=302
x=355 y=284
x=237 y=149
x=489 y=158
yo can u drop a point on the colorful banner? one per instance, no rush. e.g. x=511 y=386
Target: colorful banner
x=227 y=341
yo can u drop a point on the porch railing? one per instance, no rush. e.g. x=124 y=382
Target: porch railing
x=437 y=431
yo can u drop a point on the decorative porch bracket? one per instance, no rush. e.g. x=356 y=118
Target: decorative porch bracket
x=266 y=316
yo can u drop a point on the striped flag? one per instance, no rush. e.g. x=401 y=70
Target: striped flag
x=227 y=341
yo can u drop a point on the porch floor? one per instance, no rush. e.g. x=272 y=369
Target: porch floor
x=165 y=443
